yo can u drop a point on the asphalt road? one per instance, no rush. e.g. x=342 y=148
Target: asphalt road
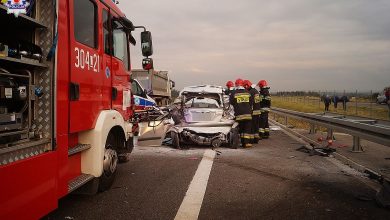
x=269 y=181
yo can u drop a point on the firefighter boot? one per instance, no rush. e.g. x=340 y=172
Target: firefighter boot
x=261 y=133
x=266 y=133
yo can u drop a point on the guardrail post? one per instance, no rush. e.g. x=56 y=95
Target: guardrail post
x=312 y=129
x=285 y=120
x=329 y=136
x=356 y=148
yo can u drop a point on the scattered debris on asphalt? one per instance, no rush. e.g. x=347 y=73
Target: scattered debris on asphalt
x=321 y=151
x=383 y=196
x=275 y=128
x=292 y=157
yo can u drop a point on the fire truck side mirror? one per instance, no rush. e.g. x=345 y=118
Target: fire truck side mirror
x=146 y=43
x=147 y=63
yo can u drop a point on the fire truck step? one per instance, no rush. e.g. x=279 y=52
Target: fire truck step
x=78 y=148
x=79 y=181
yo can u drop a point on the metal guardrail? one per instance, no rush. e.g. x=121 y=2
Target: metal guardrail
x=369 y=130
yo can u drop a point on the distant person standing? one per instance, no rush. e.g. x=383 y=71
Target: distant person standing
x=335 y=101
x=327 y=102
x=344 y=100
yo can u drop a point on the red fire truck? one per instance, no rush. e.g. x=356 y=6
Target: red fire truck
x=66 y=116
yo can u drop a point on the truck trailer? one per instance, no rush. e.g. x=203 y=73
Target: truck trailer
x=66 y=108
x=156 y=83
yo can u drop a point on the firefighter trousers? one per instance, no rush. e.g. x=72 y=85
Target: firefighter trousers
x=255 y=128
x=264 y=126
x=245 y=130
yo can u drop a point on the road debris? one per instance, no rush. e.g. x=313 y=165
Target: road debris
x=275 y=128
x=383 y=196
x=322 y=151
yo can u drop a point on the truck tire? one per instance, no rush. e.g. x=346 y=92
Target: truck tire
x=234 y=139
x=110 y=163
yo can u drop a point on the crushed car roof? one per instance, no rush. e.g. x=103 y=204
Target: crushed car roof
x=202 y=89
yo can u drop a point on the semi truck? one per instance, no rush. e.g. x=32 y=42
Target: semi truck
x=156 y=84
x=67 y=112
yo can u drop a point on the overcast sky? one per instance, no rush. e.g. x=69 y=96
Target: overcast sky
x=294 y=44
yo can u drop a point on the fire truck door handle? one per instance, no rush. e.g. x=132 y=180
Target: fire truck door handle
x=74 y=91
x=115 y=65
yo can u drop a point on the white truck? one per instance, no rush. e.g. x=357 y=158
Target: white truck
x=156 y=83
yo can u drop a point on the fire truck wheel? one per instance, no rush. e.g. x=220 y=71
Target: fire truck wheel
x=110 y=163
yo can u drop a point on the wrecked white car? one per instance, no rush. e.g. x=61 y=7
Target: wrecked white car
x=202 y=116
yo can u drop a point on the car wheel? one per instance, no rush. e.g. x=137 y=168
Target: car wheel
x=234 y=138
x=175 y=140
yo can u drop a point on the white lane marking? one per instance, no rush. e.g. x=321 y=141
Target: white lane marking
x=192 y=202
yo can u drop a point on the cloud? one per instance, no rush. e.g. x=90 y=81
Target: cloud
x=295 y=44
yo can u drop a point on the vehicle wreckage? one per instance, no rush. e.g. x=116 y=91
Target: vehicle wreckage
x=202 y=115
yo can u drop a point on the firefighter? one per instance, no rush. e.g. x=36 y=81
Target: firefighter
x=255 y=96
x=240 y=99
x=265 y=105
x=229 y=87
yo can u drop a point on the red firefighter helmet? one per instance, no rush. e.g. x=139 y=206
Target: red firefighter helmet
x=229 y=84
x=239 y=82
x=262 y=83
x=247 y=83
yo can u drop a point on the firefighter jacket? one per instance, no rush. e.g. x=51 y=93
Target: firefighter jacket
x=256 y=101
x=265 y=102
x=241 y=101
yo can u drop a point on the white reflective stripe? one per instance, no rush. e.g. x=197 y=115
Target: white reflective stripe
x=192 y=202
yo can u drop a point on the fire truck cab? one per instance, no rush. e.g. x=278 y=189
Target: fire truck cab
x=66 y=112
